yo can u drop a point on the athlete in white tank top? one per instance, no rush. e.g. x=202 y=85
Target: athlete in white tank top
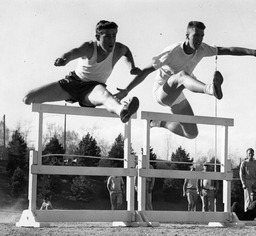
x=91 y=70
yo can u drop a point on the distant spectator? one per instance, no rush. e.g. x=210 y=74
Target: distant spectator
x=250 y=213
x=190 y=189
x=248 y=176
x=46 y=205
x=208 y=190
x=115 y=185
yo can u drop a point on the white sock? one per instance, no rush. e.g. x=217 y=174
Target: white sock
x=155 y=123
x=208 y=89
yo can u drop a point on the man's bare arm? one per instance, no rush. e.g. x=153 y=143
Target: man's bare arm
x=136 y=81
x=236 y=51
x=84 y=50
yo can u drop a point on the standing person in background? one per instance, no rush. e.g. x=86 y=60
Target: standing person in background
x=208 y=190
x=115 y=186
x=248 y=176
x=190 y=189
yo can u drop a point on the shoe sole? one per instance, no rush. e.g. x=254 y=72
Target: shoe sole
x=132 y=107
x=217 y=82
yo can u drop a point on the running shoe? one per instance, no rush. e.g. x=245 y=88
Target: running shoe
x=217 y=82
x=129 y=109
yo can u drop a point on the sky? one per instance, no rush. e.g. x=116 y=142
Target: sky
x=35 y=33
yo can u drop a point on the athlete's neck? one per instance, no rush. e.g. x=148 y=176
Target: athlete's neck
x=101 y=54
x=187 y=49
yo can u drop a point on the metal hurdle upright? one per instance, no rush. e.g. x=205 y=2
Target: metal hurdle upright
x=213 y=218
x=32 y=217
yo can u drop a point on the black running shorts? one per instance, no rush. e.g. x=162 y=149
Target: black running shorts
x=77 y=88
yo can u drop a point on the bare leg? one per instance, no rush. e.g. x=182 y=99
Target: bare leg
x=101 y=96
x=182 y=129
x=168 y=95
x=49 y=93
x=98 y=96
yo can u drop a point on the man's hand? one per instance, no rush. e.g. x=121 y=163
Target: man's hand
x=121 y=94
x=60 y=62
x=135 y=71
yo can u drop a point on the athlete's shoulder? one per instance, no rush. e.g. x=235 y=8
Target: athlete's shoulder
x=120 y=48
x=173 y=47
x=87 y=49
x=206 y=46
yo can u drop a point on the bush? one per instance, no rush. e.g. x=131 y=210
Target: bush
x=18 y=183
x=172 y=190
x=82 y=188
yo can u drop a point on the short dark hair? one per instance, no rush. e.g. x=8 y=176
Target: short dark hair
x=249 y=149
x=196 y=24
x=103 y=24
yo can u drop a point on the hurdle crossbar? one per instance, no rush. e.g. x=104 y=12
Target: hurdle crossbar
x=72 y=110
x=206 y=120
x=225 y=175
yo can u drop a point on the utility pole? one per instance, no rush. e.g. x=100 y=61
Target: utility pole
x=4 y=131
x=65 y=131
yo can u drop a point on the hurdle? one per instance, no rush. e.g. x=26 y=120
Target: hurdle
x=226 y=218
x=32 y=217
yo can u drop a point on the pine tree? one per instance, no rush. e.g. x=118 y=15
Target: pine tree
x=18 y=183
x=173 y=187
x=17 y=153
x=117 y=151
x=50 y=184
x=88 y=147
x=181 y=156
x=53 y=147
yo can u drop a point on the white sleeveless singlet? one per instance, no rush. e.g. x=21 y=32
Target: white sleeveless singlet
x=91 y=70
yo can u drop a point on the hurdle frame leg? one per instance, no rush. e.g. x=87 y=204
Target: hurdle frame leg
x=28 y=217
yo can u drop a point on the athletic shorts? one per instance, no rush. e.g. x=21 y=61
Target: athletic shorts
x=77 y=88
x=158 y=91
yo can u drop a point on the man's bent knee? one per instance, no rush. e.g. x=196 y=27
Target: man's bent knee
x=191 y=132
x=192 y=136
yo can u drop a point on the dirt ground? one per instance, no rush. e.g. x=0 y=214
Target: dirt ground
x=8 y=227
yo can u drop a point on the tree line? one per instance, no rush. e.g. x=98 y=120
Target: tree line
x=85 y=188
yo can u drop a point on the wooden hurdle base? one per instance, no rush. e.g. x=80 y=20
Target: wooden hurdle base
x=43 y=218
x=235 y=222
x=141 y=221
x=28 y=219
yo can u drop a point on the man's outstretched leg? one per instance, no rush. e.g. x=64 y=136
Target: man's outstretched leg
x=48 y=93
x=170 y=94
x=101 y=96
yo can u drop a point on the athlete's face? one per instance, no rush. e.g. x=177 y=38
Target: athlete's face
x=107 y=39
x=250 y=154
x=195 y=37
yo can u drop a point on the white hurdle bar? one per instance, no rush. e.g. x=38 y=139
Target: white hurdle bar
x=225 y=175
x=32 y=217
